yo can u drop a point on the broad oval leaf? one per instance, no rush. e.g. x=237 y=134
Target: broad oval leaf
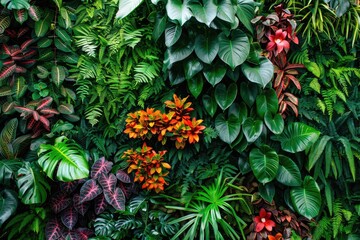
x=214 y=73
x=101 y=166
x=159 y=28
x=180 y=51
x=21 y=15
x=288 y=173
x=123 y=176
x=172 y=33
x=267 y=191
x=248 y=92
x=8 y=204
x=58 y=75
x=69 y=217
x=267 y=101
x=116 y=199
x=195 y=85
x=34 y=12
x=179 y=10
x=297 y=137
x=274 y=123
x=59 y=201
x=228 y=129
x=306 y=199
x=53 y=229
x=126 y=7
x=226 y=11
x=66 y=108
x=108 y=182
x=89 y=190
x=264 y=163
x=204 y=13
x=41 y=27
x=225 y=96
x=192 y=67
x=261 y=74
x=210 y=104
x=206 y=48
x=234 y=50
x=252 y=129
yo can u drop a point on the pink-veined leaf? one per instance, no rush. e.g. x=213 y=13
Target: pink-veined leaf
x=34 y=13
x=21 y=32
x=36 y=115
x=59 y=202
x=20 y=69
x=27 y=43
x=72 y=235
x=24 y=110
x=6 y=49
x=15 y=50
x=100 y=204
x=8 y=63
x=80 y=207
x=28 y=63
x=116 y=199
x=21 y=15
x=45 y=102
x=45 y=122
x=7 y=71
x=49 y=111
x=89 y=190
x=101 y=166
x=53 y=229
x=124 y=189
x=84 y=233
x=69 y=217
x=123 y=176
x=108 y=183
x=69 y=187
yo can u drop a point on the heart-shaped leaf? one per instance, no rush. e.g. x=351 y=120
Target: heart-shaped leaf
x=226 y=11
x=288 y=173
x=246 y=12
x=8 y=204
x=108 y=182
x=252 y=129
x=206 y=48
x=180 y=51
x=228 y=129
x=59 y=201
x=210 y=104
x=214 y=74
x=100 y=204
x=192 y=67
x=260 y=74
x=80 y=207
x=225 y=96
x=205 y=13
x=100 y=167
x=53 y=229
x=264 y=163
x=306 y=199
x=172 y=33
x=234 y=50
x=89 y=190
x=267 y=101
x=179 y=10
x=240 y=143
x=195 y=85
x=249 y=92
x=267 y=191
x=69 y=217
x=116 y=199
x=297 y=137
x=274 y=123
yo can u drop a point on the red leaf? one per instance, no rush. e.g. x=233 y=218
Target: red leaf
x=36 y=115
x=8 y=63
x=292 y=98
x=123 y=176
x=23 y=110
x=108 y=183
x=84 y=233
x=79 y=206
x=28 y=63
x=53 y=229
x=27 y=43
x=7 y=71
x=37 y=133
x=100 y=204
x=45 y=102
x=101 y=166
x=278 y=78
x=20 y=69
x=45 y=122
x=295 y=81
x=116 y=199
x=293 y=107
x=59 y=202
x=22 y=31
x=49 y=111
x=291 y=66
x=69 y=217
x=7 y=49
x=89 y=190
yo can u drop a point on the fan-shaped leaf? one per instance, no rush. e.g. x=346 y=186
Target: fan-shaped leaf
x=69 y=217
x=116 y=199
x=179 y=10
x=59 y=202
x=89 y=190
x=80 y=207
x=206 y=48
x=172 y=33
x=252 y=129
x=264 y=163
x=100 y=204
x=53 y=229
x=126 y=7
x=234 y=50
x=288 y=173
x=101 y=166
x=260 y=74
x=8 y=204
x=306 y=199
x=123 y=176
x=108 y=182
x=8 y=168
x=65 y=158
x=225 y=96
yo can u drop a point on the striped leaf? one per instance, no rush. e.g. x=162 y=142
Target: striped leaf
x=21 y=15
x=62 y=34
x=44 y=103
x=5 y=91
x=41 y=27
x=34 y=13
x=58 y=75
x=4 y=23
x=59 y=44
x=66 y=108
x=65 y=15
x=7 y=71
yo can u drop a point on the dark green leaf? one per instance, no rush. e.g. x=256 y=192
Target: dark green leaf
x=214 y=73
x=275 y=123
x=63 y=35
x=267 y=191
x=349 y=155
x=204 y=13
x=42 y=26
x=172 y=33
x=8 y=168
x=249 y=92
x=206 y=48
x=179 y=52
x=210 y=104
x=58 y=75
x=264 y=163
x=267 y=101
x=288 y=173
x=195 y=85
x=192 y=67
x=226 y=11
x=245 y=12
x=260 y=74
x=225 y=96
x=44 y=42
x=159 y=28
x=228 y=129
x=8 y=204
x=316 y=150
x=252 y=129
x=59 y=44
x=179 y=10
x=65 y=16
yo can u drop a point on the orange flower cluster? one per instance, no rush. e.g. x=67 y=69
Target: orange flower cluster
x=176 y=124
x=148 y=166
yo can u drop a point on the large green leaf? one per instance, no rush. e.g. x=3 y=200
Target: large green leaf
x=210 y=104
x=160 y=25
x=58 y=75
x=15 y=4
x=288 y=173
x=206 y=48
x=260 y=74
x=225 y=96
x=264 y=163
x=204 y=13
x=252 y=129
x=192 y=67
x=226 y=11
x=234 y=50
x=8 y=168
x=180 y=51
x=65 y=158
x=306 y=199
x=275 y=123
x=229 y=128
x=214 y=73
x=246 y=12
x=267 y=101
x=32 y=184
x=249 y=92
x=126 y=7
x=316 y=150
x=349 y=155
x=179 y=10
x=172 y=33
x=195 y=85
x=8 y=204
x=297 y=137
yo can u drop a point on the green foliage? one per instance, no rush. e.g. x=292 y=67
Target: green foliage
x=8 y=205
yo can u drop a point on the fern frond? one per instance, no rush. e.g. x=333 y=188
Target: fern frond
x=337 y=219
x=83 y=89
x=93 y=113
x=144 y=72
x=322 y=229
x=300 y=57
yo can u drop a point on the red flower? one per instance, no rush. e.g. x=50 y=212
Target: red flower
x=263 y=221
x=278 y=236
x=278 y=41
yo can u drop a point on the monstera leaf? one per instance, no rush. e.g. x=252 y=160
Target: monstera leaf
x=264 y=163
x=65 y=159
x=8 y=204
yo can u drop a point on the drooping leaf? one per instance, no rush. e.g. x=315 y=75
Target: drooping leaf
x=59 y=201
x=214 y=74
x=116 y=199
x=267 y=101
x=8 y=204
x=229 y=128
x=297 y=137
x=349 y=155
x=123 y=176
x=288 y=173
x=264 y=163
x=159 y=28
x=225 y=96
x=58 y=75
x=234 y=50
x=80 y=207
x=275 y=123
x=245 y=12
x=195 y=85
x=8 y=169
x=69 y=217
x=172 y=33
x=180 y=51
x=204 y=13
x=260 y=74
x=108 y=182
x=32 y=184
x=101 y=166
x=316 y=151
x=100 y=204
x=53 y=229
x=210 y=104
x=179 y=10
x=252 y=129
x=126 y=7
x=89 y=190
x=206 y=48
x=306 y=199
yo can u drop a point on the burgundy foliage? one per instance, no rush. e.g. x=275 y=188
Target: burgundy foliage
x=69 y=217
x=89 y=190
x=53 y=229
x=108 y=182
x=116 y=199
x=100 y=167
x=59 y=201
x=80 y=207
x=123 y=176
x=100 y=204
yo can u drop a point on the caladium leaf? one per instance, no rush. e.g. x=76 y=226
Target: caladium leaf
x=100 y=204
x=116 y=199
x=59 y=201
x=108 y=182
x=69 y=187
x=89 y=190
x=100 y=167
x=69 y=217
x=53 y=229
x=80 y=207
x=123 y=176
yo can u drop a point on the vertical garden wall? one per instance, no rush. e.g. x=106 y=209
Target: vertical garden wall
x=179 y=119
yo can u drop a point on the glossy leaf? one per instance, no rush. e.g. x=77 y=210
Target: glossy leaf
x=206 y=48
x=159 y=28
x=100 y=204
x=204 y=13
x=180 y=51
x=252 y=129
x=101 y=166
x=8 y=169
x=58 y=75
x=172 y=33
x=8 y=204
x=234 y=50
x=53 y=229
x=214 y=74
x=59 y=201
x=226 y=11
x=192 y=67
x=42 y=27
x=275 y=123
x=297 y=137
x=316 y=151
x=116 y=199
x=260 y=74
x=246 y=12
x=108 y=182
x=179 y=10
x=225 y=96
x=288 y=173
x=248 y=92
x=264 y=163
x=195 y=85
x=267 y=101
x=229 y=128
x=123 y=176
x=126 y=7
x=267 y=191
x=69 y=217
x=306 y=199
x=21 y=15
x=89 y=190
x=210 y=104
